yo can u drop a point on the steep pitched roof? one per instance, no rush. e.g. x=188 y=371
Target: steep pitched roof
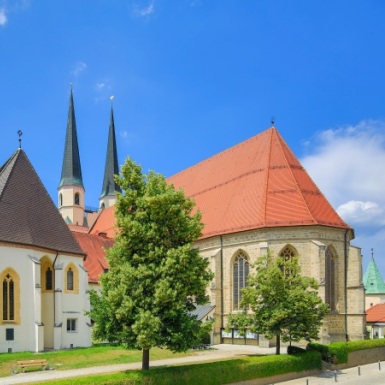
x=94 y=246
x=28 y=215
x=373 y=282
x=255 y=184
x=71 y=174
x=105 y=223
x=376 y=313
x=111 y=167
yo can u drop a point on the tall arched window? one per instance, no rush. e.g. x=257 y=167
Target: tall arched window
x=48 y=279
x=70 y=279
x=10 y=296
x=330 y=278
x=46 y=276
x=287 y=254
x=240 y=275
x=71 y=276
x=77 y=199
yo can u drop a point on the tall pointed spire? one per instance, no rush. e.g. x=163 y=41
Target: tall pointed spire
x=71 y=174
x=109 y=188
x=372 y=280
x=71 y=188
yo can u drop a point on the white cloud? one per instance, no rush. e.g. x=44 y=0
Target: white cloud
x=348 y=163
x=3 y=17
x=78 y=68
x=146 y=11
x=364 y=213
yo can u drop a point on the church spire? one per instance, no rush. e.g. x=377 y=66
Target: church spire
x=71 y=174
x=109 y=188
x=71 y=188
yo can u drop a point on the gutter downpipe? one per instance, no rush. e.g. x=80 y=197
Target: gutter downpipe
x=346 y=284
x=222 y=301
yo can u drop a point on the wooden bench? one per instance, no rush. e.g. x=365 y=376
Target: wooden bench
x=31 y=363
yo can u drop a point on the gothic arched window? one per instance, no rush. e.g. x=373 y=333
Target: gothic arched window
x=330 y=278
x=240 y=275
x=10 y=292
x=70 y=279
x=287 y=254
x=48 y=279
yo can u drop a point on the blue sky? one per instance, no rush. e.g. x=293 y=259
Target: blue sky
x=193 y=77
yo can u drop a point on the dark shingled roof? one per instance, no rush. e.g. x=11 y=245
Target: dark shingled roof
x=111 y=168
x=28 y=215
x=71 y=173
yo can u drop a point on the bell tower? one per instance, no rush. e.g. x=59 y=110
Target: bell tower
x=71 y=189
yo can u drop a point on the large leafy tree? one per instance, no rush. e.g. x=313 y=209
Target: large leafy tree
x=280 y=302
x=155 y=275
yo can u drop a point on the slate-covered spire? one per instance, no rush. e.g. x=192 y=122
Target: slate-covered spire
x=71 y=174
x=109 y=187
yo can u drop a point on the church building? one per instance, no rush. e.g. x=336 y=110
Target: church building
x=43 y=292
x=255 y=197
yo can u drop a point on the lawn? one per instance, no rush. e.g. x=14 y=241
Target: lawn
x=83 y=357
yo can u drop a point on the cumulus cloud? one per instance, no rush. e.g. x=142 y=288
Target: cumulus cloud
x=78 y=68
x=364 y=213
x=3 y=17
x=143 y=11
x=347 y=164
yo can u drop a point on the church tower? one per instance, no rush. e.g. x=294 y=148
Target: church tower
x=71 y=189
x=109 y=188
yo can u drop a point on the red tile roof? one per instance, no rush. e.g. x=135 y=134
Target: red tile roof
x=105 y=223
x=376 y=313
x=255 y=184
x=95 y=247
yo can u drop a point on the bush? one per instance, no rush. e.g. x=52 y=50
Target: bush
x=323 y=349
x=295 y=350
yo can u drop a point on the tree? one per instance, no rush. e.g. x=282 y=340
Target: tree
x=279 y=302
x=155 y=275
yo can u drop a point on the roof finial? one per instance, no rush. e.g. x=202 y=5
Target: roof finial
x=112 y=99
x=372 y=252
x=272 y=121
x=20 y=134
x=71 y=86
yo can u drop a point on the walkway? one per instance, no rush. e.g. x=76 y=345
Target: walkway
x=369 y=374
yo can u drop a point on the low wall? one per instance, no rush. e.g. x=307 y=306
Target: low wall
x=363 y=357
x=278 y=378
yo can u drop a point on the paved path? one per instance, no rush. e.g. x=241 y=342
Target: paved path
x=370 y=374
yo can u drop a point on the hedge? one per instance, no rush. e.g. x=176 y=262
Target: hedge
x=337 y=352
x=214 y=373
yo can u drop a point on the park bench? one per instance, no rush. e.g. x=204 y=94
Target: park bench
x=31 y=363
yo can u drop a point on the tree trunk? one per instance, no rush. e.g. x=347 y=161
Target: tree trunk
x=278 y=344
x=145 y=359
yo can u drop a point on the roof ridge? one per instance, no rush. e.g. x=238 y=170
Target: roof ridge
x=271 y=130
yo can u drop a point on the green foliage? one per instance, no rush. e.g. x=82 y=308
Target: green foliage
x=295 y=350
x=338 y=352
x=154 y=272
x=282 y=302
x=214 y=373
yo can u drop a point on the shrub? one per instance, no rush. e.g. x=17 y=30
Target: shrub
x=295 y=350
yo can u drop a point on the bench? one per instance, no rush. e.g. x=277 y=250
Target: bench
x=31 y=363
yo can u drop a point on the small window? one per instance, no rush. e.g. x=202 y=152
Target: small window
x=71 y=325
x=70 y=279
x=60 y=199
x=77 y=199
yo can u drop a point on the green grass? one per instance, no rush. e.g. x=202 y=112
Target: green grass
x=83 y=357
x=213 y=373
